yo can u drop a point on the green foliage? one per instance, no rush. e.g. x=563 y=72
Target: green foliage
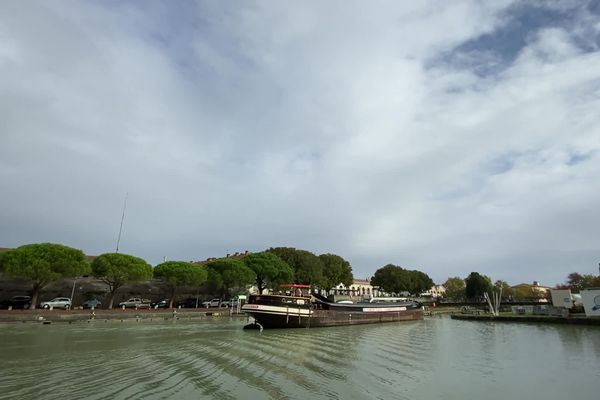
x=336 y=270
x=179 y=273
x=577 y=281
x=507 y=291
x=229 y=273
x=116 y=270
x=308 y=268
x=394 y=279
x=270 y=270
x=214 y=282
x=455 y=289
x=524 y=291
x=44 y=263
x=477 y=285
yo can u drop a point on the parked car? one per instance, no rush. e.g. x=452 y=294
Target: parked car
x=17 y=302
x=164 y=303
x=230 y=303
x=135 y=302
x=190 y=302
x=57 y=302
x=92 y=303
x=212 y=303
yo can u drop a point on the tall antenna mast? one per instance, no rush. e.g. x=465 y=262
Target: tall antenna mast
x=122 y=218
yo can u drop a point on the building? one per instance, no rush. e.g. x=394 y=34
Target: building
x=359 y=287
x=435 y=291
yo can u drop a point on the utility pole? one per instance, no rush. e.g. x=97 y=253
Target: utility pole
x=122 y=218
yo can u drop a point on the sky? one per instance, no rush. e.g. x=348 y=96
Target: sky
x=443 y=136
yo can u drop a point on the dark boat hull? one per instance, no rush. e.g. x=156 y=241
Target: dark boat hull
x=324 y=318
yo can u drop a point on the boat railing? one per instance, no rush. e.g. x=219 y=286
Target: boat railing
x=388 y=300
x=280 y=300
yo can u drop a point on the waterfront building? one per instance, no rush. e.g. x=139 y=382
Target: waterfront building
x=435 y=291
x=359 y=287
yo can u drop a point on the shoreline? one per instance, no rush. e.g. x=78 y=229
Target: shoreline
x=529 y=319
x=70 y=316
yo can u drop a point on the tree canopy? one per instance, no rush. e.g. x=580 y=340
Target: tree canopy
x=229 y=273
x=477 y=285
x=336 y=270
x=308 y=268
x=269 y=269
x=576 y=282
x=507 y=291
x=524 y=291
x=455 y=288
x=394 y=279
x=177 y=274
x=117 y=269
x=43 y=263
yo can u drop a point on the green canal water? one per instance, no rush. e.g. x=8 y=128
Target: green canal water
x=438 y=358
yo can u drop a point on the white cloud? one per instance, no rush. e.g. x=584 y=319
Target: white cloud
x=324 y=126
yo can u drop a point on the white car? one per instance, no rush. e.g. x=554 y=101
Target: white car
x=58 y=302
x=213 y=303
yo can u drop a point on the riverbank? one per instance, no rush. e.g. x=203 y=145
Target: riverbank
x=49 y=316
x=529 y=319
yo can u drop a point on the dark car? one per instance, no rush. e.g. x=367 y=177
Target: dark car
x=92 y=303
x=190 y=302
x=164 y=303
x=18 y=302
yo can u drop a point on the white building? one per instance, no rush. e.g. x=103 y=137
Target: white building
x=359 y=287
x=435 y=291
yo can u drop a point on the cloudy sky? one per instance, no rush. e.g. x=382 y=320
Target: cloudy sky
x=446 y=136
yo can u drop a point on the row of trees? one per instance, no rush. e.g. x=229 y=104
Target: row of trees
x=475 y=285
x=45 y=263
x=576 y=281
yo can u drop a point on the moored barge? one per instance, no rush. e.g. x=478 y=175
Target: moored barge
x=302 y=310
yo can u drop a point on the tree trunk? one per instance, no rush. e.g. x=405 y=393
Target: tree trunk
x=35 y=293
x=260 y=284
x=172 y=297
x=112 y=298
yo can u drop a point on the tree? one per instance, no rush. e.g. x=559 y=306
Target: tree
x=269 y=269
x=394 y=279
x=308 y=268
x=507 y=291
x=476 y=285
x=232 y=274
x=117 y=270
x=576 y=281
x=44 y=263
x=419 y=282
x=336 y=270
x=178 y=273
x=455 y=288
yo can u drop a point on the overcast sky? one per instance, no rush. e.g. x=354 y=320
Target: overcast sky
x=444 y=136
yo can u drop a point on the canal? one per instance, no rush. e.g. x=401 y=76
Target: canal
x=438 y=358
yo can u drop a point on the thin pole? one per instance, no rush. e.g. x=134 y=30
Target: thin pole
x=73 y=291
x=122 y=218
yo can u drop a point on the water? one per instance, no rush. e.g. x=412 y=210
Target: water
x=438 y=358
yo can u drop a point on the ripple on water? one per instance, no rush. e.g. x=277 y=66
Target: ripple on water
x=217 y=360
